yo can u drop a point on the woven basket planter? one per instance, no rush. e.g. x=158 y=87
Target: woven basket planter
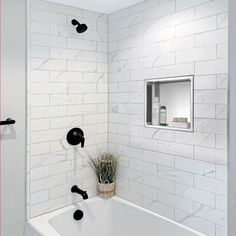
x=106 y=190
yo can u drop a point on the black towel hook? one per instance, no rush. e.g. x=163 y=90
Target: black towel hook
x=8 y=121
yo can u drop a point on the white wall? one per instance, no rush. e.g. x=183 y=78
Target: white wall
x=67 y=87
x=13 y=105
x=179 y=175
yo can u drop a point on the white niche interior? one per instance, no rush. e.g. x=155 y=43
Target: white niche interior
x=176 y=95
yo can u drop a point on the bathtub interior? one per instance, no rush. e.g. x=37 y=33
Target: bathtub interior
x=115 y=217
x=94 y=222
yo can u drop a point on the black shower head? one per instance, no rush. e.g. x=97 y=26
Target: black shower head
x=80 y=28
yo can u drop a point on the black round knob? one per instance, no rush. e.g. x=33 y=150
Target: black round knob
x=75 y=136
x=78 y=215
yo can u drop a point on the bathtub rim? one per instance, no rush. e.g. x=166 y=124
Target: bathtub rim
x=41 y=224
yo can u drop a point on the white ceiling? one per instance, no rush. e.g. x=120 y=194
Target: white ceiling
x=104 y=6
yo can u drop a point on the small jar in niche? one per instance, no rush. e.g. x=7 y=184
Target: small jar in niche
x=163 y=116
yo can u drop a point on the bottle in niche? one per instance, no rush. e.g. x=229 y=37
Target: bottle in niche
x=163 y=116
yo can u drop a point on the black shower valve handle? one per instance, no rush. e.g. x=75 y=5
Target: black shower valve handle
x=82 y=139
x=76 y=136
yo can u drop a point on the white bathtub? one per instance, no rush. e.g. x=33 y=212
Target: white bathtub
x=113 y=217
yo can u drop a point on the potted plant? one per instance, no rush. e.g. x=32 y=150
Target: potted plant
x=105 y=168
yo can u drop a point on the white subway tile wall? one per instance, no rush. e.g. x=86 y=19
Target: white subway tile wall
x=67 y=87
x=96 y=81
x=177 y=174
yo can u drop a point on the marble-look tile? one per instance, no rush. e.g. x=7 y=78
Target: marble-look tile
x=67 y=88
x=211 y=214
x=175 y=201
x=211 y=184
x=159 y=208
x=96 y=81
x=195 y=166
x=175 y=175
x=211 y=8
x=195 y=222
x=195 y=194
x=182 y=4
x=175 y=148
x=188 y=38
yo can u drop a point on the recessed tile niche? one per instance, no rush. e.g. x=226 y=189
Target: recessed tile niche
x=169 y=103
